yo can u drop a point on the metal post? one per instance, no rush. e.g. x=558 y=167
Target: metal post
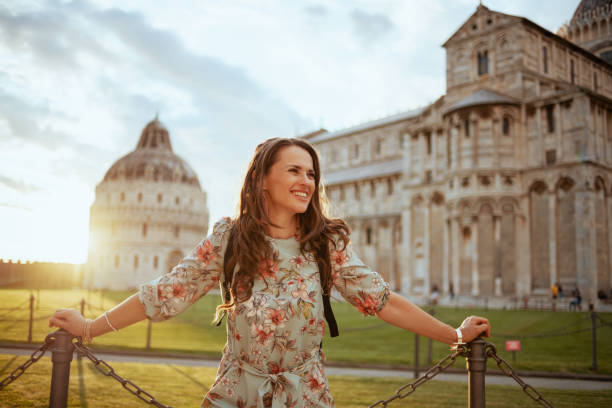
x=594 y=339
x=148 y=334
x=476 y=363
x=31 y=318
x=416 y=355
x=60 y=378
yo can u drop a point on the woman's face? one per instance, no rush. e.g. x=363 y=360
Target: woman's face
x=290 y=182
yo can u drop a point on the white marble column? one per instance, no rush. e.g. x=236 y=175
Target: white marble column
x=552 y=236
x=406 y=263
x=446 y=254
x=475 y=277
x=523 y=249
x=456 y=254
x=426 y=248
x=497 y=280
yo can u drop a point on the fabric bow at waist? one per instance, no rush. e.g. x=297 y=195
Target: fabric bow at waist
x=274 y=385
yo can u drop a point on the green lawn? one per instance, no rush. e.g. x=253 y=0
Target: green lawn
x=362 y=340
x=184 y=386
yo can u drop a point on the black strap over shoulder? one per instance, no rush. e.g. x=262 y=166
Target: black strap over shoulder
x=226 y=284
x=327 y=309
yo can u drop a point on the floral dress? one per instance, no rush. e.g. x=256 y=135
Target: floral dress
x=272 y=357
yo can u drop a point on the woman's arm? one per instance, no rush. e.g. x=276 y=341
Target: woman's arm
x=402 y=313
x=128 y=312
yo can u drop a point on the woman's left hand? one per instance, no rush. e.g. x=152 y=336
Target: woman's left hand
x=474 y=326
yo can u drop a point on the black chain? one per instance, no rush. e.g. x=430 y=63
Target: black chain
x=509 y=371
x=107 y=370
x=458 y=350
x=34 y=357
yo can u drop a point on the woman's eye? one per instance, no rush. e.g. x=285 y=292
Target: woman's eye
x=311 y=175
x=293 y=171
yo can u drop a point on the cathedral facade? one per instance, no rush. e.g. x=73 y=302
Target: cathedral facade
x=148 y=213
x=502 y=186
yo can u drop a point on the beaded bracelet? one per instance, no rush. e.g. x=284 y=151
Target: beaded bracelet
x=108 y=322
x=87 y=332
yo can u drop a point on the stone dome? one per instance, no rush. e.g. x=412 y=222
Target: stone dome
x=588 y=5
x=153 y=159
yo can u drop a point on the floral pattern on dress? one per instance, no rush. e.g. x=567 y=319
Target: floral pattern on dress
x=272 y=357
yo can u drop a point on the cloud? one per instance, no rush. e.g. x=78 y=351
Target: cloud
x=370 y=27
x=316 y=10
x=15 y=206
x=18 y=185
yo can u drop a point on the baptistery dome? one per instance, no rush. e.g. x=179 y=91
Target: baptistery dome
x=153 y=159
x=149 y=211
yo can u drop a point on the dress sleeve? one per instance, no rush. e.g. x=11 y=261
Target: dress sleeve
x=200 y=271
x=357 y=283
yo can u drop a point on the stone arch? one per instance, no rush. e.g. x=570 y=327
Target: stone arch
x=539 y=215
x=465 y=207
x=486 y=246
x=437 y=225
x=566 y=230
x=602 y=237
x=417 y=200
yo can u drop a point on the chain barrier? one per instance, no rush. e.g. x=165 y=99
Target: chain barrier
x=509 y=371
x=107 y=370
x=34 y=357
x=446 y=362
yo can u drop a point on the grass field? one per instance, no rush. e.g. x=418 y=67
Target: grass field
x=362 y=340
x=184 y=386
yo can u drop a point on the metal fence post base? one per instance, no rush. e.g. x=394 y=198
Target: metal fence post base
x=476 y=363
x=61 y=350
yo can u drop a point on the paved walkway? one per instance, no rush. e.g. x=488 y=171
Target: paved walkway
x=537 y=382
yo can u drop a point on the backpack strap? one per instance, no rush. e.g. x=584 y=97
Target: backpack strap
x=327 y=309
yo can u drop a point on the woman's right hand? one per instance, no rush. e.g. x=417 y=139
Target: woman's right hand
x=70 y=320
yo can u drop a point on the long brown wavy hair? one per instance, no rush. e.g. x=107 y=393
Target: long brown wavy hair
x=250 y=249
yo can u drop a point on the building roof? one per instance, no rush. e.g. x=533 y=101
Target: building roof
x=367 y=171
x=153 y=159
x=367 y=125
x=588 y=5
x=482 y=97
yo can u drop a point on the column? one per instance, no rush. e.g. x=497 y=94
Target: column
x=523 y=249
x=446 y=253
x=552 y=234
x=558 y=122
x=406 y=260
x=456 y=241
x=475 y=277
x=497 y=235
x=426 y=249
x=391 y=262
x=541 y=154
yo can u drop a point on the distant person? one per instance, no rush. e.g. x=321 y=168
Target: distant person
x=277 y=259
x=576 y=302
x=554 y=289
x=560 y=290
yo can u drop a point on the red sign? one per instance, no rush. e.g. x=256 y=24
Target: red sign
x=513 y=345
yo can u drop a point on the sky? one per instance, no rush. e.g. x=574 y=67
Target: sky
x=79 y=80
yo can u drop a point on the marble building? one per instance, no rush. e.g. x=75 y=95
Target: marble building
x=149 y=211
x=503 y=185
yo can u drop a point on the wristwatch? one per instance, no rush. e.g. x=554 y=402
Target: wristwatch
x=459 y=335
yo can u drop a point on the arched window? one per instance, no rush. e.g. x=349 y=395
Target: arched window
x=135 y=261
x=483 y=62
x=144 y=229
x=116 y=260
x=159 y=198
x=177 y=200
x=390 y=186
x=372 y=189
x=369 y=236
x=155 y=262
x=139 y=197
x=545 y=59
x=122 y=196
x=356 y=191
x=572 y=72
x=177 y=230
x=506 y=126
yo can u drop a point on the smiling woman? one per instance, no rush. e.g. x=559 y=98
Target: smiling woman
x=277 y=261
